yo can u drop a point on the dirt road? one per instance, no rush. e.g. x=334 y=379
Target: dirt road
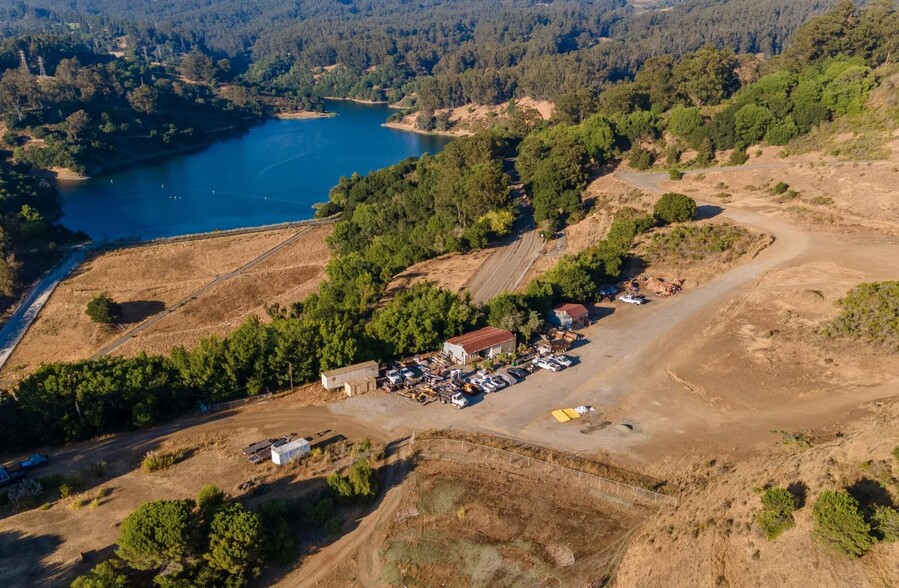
x=318 y=565
x=509 y=262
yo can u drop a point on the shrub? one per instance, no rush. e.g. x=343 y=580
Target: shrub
x=870 y=313
x=156 y=460
x=696 y=243
x=675 y=174
x=98 y=468
x=673 y=207
x=839 y=524
x=23 y=493
x=780 y=188
x=776 y=515
x=738 y=157
x=886 y=522
x=103 y=309
x=641 y=158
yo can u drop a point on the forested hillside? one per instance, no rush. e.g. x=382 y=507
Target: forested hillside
x=481 y=52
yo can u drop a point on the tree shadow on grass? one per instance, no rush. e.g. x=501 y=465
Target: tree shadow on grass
x=138 y=310
x=870 y=494
x=705 y=211
x=22 y=560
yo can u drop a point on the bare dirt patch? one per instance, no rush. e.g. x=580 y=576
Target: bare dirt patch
x=844 y=194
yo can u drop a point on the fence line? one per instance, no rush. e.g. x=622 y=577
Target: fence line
x=604 y=485
x=239 y=402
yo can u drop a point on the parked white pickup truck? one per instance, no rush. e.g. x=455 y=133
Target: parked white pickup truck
x=632 y=299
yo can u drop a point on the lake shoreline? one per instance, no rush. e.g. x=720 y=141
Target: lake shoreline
x=64 y=174
x=408 y=128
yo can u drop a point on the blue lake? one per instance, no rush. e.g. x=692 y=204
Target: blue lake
x=274 y=173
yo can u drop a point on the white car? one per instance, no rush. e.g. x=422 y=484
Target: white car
x=564 y=360
x=548 y=365
x=394 y=377
x=408 y=374
x=498 y=381
x=632 y=299
x=484 y=384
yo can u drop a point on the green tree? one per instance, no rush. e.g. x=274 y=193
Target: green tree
x=156 y=533
x=886 y=522
x=76 y=123
x=104 y=575
x=751 y=122
x=840 y=525
x=776 y=515
x=420 y=318
x=675 y=208
x=144 y=99
x=235 y=543
x=707 y=76
x=598 y=137
x=685 y=122
x=103 y=309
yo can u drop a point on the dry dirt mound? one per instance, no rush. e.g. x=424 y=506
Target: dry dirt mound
x=712 y=539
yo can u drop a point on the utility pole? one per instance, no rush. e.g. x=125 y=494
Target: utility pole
x=40 y=65
x=23 y=63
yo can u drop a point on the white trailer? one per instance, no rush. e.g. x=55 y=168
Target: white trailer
x=290 y=451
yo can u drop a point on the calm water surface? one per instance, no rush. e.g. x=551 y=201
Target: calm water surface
x=272 y=174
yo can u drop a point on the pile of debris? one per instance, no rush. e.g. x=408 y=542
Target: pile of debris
x=658 y=286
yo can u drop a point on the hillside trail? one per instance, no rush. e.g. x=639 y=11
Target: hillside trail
x=317 y=566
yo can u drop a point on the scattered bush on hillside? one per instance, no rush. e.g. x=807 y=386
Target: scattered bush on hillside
x=870 y=312
x=106 y=574
x=675 y=208
x=780 y=188
x=641 y=158
x=776 y=515
x=738 y=157
x=886 y=523
x=699 y=242
x=155 y=461
x=840 y=525
x=675 y=174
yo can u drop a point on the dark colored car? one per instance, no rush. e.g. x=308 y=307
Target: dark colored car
x=517 y=373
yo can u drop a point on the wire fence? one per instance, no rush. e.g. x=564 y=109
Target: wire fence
x=603 y=485
x=235 y=403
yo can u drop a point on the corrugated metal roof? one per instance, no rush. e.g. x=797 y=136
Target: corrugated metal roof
x=351 y=368
x=572 y=310
x=482 y=339
x=288 y=447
